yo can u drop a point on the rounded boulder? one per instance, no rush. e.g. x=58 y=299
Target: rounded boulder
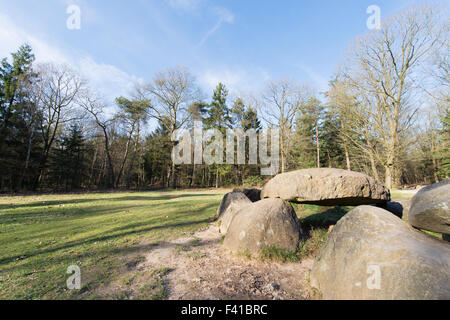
x=266 y=223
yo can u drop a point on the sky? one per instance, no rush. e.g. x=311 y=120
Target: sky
x=240 y=43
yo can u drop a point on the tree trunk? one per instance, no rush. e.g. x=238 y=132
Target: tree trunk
x=125 y=156
x=317 y=145
x=110 y=164
x=435 y=170
x=217 y=178
x=330 y=165
x=94 y=159
x=193 y=175
x=27 y=160
x=174 y=176
x=388 y=176
x=133 y=159
x=347 y=158
x=373 y=166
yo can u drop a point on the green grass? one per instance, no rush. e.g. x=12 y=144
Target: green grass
x=313 y=217
x=308 y=248
x=397 y=195
x=108 y=234
x=103 y=233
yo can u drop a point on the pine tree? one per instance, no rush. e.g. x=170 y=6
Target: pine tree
x=17 y=115
x=218 y=115
x=69 y=159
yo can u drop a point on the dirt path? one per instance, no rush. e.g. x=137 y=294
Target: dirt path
x=201 y=268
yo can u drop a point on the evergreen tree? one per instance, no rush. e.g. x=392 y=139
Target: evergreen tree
x=157 y=156
x=69 y=159
x=218 y=115
x=16 y=114
x=303 y=150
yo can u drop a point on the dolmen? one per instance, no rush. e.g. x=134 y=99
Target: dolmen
x=371 y=253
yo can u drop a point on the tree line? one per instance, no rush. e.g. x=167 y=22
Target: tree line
x=385 y=113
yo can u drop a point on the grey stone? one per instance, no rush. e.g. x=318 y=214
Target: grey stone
x=228 y=199
x=371 y=254
x=266 y=223
x=253 y=194
x=235 y=206
x=327 y=187
x=430 y=208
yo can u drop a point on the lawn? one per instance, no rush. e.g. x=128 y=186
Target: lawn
x=106 y=235
x=102 y=233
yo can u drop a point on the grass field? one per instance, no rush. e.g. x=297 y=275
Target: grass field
x=41 y=236
x=104 y=234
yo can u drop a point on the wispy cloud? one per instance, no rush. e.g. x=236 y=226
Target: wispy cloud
x=225 y=16
x=11 y=37
x=239 y=80
x=107 y=79
x=185 y=5
x=320 y=81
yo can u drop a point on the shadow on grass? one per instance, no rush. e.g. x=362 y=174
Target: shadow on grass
x=71 y=213
x=114 y=234
x=324 y=219
x=83 y=200
x=67 y=214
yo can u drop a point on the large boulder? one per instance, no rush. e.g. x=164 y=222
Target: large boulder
x=228 y=199
x=430 y=208
x=399 y=208
x=266 y=223
x=327 y=187
x=253 y=194
x=371 y=254
x=235 y=206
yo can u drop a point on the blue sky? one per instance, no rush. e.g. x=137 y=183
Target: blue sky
x=241 y=43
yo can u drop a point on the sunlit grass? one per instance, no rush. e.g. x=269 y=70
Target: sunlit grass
x=102 y=233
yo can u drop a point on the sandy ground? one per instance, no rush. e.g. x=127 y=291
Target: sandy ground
x=201 y=268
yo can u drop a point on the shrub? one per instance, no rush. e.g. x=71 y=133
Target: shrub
x=253 y=181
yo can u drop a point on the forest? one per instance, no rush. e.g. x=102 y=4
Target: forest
x=385 y=113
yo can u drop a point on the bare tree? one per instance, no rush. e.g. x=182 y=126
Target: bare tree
x=314 y=108
x=95 y=107
x=282 y=100
x=170 y=94
x=58 y=88
x=132 y=113
x=339 y=103
x=32 y=117
x=381 y=71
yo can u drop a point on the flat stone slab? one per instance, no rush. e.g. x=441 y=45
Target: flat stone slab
x=327 y=187
x=430 y=208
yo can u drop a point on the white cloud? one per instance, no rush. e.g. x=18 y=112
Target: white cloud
x=12 y=37
x=106 y=79
x=319 y=80
x=185 y=5
x=225 y=16
x=239 y=81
